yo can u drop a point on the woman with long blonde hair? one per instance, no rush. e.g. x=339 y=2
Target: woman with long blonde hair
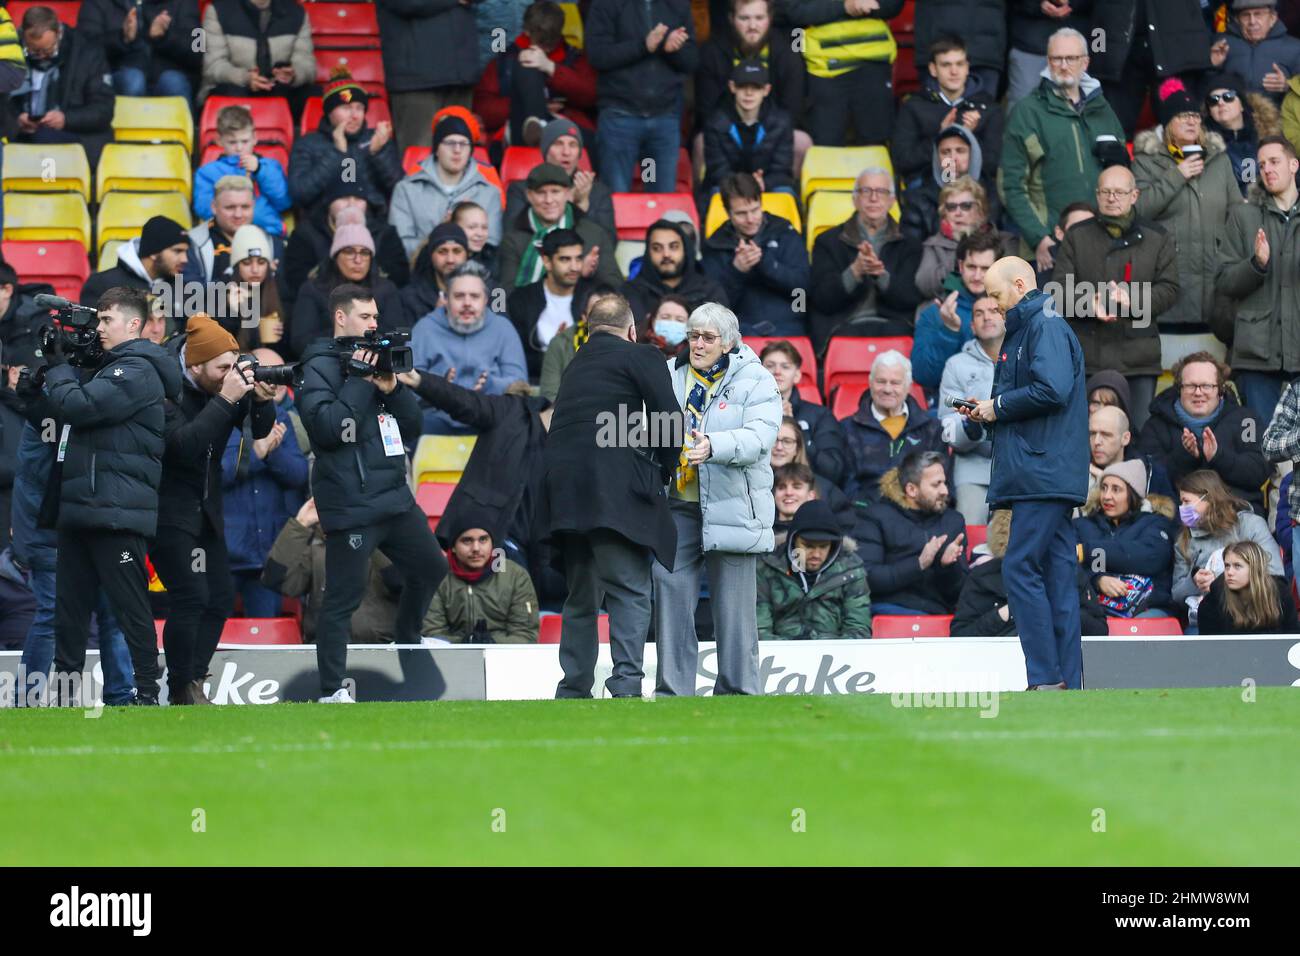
x=1247 y=599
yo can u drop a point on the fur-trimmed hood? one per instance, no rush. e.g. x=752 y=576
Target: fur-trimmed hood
x=891 y=489
x=1151 y=142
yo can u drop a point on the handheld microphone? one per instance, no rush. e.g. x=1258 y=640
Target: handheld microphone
x=954 y=402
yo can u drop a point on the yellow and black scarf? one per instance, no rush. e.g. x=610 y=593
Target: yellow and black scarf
x=704 y=381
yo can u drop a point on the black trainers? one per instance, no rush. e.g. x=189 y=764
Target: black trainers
x=145 y=700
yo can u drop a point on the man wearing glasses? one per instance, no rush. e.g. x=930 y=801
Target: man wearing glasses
x=1050 y=150
x=1200 y=424
x=864 y=270
x=1115 y=274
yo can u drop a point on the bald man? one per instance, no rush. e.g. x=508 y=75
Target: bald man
x=1038 y=420
x=1114 y=276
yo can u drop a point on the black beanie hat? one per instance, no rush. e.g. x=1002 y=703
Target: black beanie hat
x=451 y=126
x=1172 y=98
x=469 y=518
x=814 y=521
x=161 y=233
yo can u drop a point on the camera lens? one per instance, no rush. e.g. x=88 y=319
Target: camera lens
x=275 y=374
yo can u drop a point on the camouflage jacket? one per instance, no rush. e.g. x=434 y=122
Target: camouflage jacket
x=837 y=606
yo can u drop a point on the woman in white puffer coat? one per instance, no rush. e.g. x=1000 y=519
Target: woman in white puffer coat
x=722 y=505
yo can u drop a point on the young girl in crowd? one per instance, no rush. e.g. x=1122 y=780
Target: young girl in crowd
x=1247 y=599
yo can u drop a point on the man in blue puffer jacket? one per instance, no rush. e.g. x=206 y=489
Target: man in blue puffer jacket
x=1039 y=470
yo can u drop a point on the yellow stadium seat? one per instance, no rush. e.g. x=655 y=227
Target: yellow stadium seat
x=121 y=215
x=47 y=217
x=442 y=457
x=108 y=255
x=573 y=34
x=153 y=119
x=47 y=168
x=135 y=167
x=836 y=167
x=778 y=204
x=825 y=211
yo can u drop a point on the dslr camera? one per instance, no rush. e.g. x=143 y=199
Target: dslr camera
x=392 y=354
x=271 y=374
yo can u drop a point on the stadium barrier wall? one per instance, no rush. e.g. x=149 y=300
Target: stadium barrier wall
x=267 y=675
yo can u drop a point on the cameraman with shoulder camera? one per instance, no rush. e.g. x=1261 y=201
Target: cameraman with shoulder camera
x=109 y=465
x=190 y=554
x=359 y=418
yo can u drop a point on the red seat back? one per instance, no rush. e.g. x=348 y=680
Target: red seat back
x=63 y=264
x=907 y=625
x=432 y=497
x=271 y=118
x=519 y=161
x=376 y=112
x=808 y=366
x=1143 y=626
x=976 y=534
x=684 y=175
x=846 y=398
x=550 y=625
x=634 y=213
x=261 y=630
x=343 y=26
x=848 y=360
x=66 y=10
x=366 y=66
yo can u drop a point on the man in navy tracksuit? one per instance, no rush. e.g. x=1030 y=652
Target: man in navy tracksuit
x=1038 y=417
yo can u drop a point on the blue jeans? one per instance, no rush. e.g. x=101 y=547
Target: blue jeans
x=130 y=81
x=627 y=140
x=1261 y=392
x=38 y=652
x=1039 y=574
x=259 y=600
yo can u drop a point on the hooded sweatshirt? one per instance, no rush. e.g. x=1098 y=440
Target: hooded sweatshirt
x=494 y=347
x=422 y=200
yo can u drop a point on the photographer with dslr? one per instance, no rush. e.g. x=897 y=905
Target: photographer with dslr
x=359 y=417
x=190 y=554
x=108 y=467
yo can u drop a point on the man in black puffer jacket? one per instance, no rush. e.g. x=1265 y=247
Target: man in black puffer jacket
x=109 y=466
x=358 y=424
x=190 y=553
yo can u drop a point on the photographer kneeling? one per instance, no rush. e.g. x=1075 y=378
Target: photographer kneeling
x=358 y=422
x=109 y=464
x=190 y=553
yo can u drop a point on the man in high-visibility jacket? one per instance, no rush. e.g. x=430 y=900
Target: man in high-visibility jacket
x=849 y=51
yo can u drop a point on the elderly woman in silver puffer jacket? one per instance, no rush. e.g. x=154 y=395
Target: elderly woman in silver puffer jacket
x=722 y=504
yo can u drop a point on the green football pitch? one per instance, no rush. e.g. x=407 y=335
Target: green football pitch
x=1190 y=777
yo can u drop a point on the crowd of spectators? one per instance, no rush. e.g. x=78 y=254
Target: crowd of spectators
x=1150 y=178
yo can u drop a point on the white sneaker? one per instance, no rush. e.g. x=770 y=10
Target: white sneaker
x=340 y=696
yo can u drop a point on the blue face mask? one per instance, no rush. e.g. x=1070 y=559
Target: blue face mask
x=671 y=330
x=1188 y=515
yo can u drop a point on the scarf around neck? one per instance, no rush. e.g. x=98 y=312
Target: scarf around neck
x=530 y=263
x=1196 y=425
x=464 y=573
x=1116 y=226
x=704 y=382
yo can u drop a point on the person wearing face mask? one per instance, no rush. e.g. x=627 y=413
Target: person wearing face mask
x=666 y=329
x=65 y=98
x=554 y=302
x=1212 y=517
x=1249 y=598
x=668 y=269
x=467 y=339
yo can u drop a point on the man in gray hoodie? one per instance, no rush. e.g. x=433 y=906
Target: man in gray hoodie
x=447 y=176
x=970 y=372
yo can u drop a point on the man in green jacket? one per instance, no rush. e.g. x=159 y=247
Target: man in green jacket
x=1051 y=155
x=1259 y=260
x=813 y=586
x=486 y=599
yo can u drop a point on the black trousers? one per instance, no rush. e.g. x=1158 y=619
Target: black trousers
x=195 y=570
x=866 y=94
x=406 y=541
x=114 y=562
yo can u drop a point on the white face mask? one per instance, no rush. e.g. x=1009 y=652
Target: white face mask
x=672 y=331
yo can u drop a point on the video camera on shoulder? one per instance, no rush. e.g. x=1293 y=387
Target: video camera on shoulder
x=75 y=332
x=392 y=354
x=272 y=374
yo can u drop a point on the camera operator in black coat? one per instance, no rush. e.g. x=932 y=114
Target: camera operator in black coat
x=359 y=425
x=190 y=553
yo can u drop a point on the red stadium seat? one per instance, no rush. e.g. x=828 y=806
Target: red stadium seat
x=413 y=157
x=62 y=264
x=907 y=625
x=261 y=630
x=636 y=212
x=846 y=398
x=519 y=161
x=808 y=379
x=376 y=112
x=848 y=360
x=366 y=67
x=275 y=151
x=67 y=11
x=1143 y=626
x=549 y=625
x=976 y=534
x=343 y=26
x=271 y=118
x=432 y=497
x=905 y=23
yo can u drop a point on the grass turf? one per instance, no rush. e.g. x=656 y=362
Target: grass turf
x=1190 y=777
